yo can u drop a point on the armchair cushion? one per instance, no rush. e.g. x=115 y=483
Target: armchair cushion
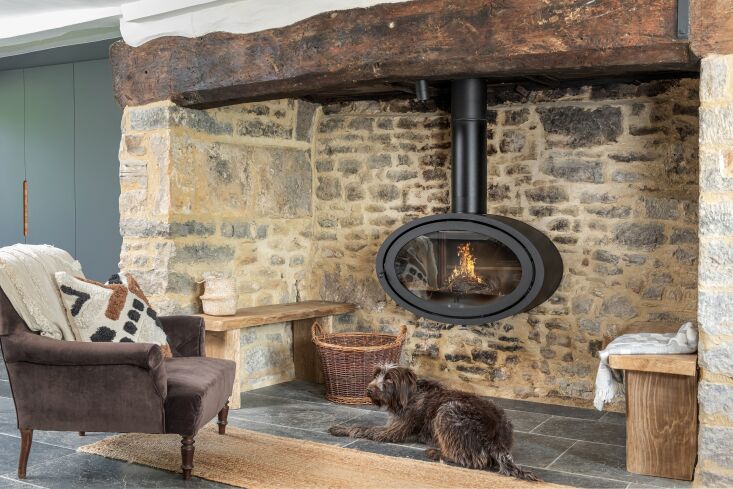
x=197 y=389
x=186 y=335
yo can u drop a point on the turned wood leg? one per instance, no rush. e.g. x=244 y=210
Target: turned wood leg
x=187 y=456
x=222 y=422
x=82 y=433
x=26 y=438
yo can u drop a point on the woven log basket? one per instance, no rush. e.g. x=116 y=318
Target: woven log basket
x=348 y=361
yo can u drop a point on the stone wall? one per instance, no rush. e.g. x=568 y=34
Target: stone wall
x=715 y=304
x=224 y=190
x=294 y=200
x=609 y=173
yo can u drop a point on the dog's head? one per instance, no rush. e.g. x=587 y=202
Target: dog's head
x=392 y=386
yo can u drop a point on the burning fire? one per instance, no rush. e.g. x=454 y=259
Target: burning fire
x=465 y=271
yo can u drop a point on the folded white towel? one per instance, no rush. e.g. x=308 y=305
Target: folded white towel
x=609 y=383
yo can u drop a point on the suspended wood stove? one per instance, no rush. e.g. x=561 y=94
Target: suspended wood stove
x=468 y=267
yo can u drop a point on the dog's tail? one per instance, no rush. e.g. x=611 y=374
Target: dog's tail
x=508 y=467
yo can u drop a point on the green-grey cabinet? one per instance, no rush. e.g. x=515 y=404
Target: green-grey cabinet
x=49 y=155
x=12 y=156
x=97 y=181
x=60 y=131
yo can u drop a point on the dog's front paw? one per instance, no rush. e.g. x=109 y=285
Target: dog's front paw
x=339 y=430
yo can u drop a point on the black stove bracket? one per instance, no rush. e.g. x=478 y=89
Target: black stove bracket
x=683 y=19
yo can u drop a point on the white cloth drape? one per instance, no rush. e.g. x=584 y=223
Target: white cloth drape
x=27 y=278
x=609 y=382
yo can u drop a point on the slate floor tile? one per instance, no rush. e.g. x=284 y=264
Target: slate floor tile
x=8 y=421
x=552 y=409
x=68 y=439
x=11 y=484
x=40 y=453
x=526 y=421
x=286 y=412
x=568 y=479
x=606 y=461
x=614 y=418
x=580 y=429
x=390 y=449
x=538 y=450
x=296 y=390
x=86 y=471
x=289 y=432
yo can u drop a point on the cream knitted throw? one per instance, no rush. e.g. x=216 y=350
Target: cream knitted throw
x=27 y=278
x=609 y=382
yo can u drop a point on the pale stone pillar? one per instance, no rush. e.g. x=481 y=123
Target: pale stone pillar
x=715 y=302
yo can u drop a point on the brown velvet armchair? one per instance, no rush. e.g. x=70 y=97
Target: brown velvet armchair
x=115 y=387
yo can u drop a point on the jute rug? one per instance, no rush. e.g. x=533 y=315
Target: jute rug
x=257 y=461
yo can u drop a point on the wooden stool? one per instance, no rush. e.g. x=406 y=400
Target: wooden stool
x=661 y=413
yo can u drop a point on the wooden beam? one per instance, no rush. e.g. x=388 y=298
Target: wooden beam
x=711 y=27
x=275 y=313
x=358 y=49
x=666 y=364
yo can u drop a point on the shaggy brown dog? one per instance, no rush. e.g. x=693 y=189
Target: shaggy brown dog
x=466 y=429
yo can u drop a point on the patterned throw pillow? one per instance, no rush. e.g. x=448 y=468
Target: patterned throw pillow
x=110 y=312
x=149 y=334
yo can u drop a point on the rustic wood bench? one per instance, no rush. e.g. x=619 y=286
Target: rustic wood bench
x=223 y=334
x=661 y=413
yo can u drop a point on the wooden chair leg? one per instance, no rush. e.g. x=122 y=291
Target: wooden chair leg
x=187 y=456
x=26 y=438
x=222 y=422
x=82 y=433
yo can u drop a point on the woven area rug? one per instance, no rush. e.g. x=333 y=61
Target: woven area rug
x=257 y=461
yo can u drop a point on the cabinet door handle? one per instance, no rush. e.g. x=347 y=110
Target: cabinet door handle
x=25 y=208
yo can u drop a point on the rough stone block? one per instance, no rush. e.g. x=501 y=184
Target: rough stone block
x=583 y=127
x=203 y=252
x=329 y=188
x=256 y=128
x=716 y=356
x=574 y=170
x=181 y=283
x=191 y=228
x=716 y=78
x=639 y=235
x=661 y=208
x=716 y=445
x=716 y=125
x=306 y=113
x=619 y=306
x=715 y=399
x=711 y=478
x=716 y=217
x=550 y=194
x=284 y=183
x=715 y=312
x=715 y=170
x=716 y=263
x=166 y=117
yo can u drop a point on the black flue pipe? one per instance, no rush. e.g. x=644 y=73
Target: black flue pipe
x=468 y=123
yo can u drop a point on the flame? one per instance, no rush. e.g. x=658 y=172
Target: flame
x=466 y=269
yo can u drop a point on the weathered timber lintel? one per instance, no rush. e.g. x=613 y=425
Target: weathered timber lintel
x=363 y=52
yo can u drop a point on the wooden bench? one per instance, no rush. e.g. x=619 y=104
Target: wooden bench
x=223 y=334
x=661 y=413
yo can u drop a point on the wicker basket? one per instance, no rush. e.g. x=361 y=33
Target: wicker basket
x=349 y=359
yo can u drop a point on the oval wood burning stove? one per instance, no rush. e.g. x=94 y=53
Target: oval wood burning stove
x=468 y=267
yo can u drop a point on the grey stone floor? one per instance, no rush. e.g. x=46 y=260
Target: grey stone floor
x=571 y=446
